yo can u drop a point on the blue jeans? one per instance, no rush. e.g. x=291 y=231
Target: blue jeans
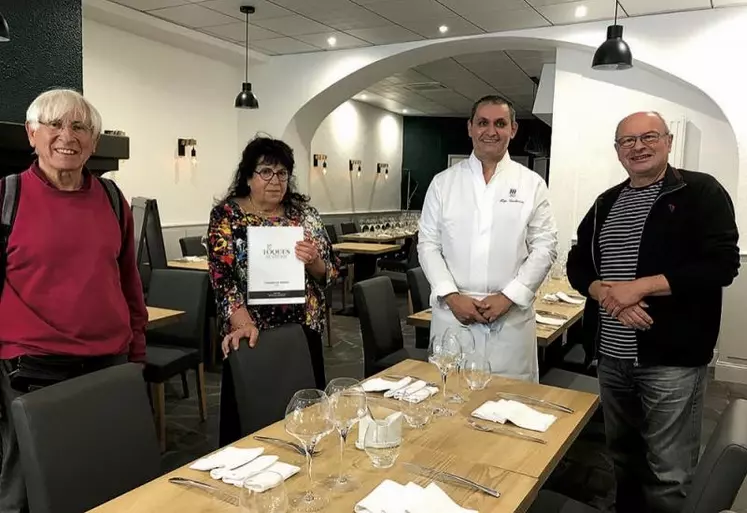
x=652 y=418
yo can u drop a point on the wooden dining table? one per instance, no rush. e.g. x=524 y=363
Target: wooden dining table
x=517 y=468
x=374 y=237
x=160 y=317
x=192 y=265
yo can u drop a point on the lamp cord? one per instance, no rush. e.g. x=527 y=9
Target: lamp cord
x=246 y=50
x=617 y=4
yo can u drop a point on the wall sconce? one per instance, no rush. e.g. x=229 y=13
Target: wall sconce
x=183 y=144
x=383 y=167
x=321 y=159
x=356 y=165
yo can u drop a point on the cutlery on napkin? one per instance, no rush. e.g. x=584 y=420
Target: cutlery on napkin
x=262 y=480
x=416 y=392
x=228 y=458
x=243 y=472
x=517 y=413
x=383 y=385
x=392 y=497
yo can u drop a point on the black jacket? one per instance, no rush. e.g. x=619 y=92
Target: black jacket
x=690 y=236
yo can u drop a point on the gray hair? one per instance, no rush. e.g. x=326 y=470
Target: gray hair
x=57 y=104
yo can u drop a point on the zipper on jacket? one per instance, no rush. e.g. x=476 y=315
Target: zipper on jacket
x=593 y=236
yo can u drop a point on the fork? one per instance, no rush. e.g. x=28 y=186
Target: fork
x=504 y=431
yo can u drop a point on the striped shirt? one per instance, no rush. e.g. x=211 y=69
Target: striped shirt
x=619 y=242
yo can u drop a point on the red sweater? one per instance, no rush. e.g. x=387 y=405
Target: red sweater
x=71 y=284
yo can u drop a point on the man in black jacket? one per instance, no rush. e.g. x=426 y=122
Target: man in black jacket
x=653 y=255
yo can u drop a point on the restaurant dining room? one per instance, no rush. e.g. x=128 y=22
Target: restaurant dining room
x=372 y=256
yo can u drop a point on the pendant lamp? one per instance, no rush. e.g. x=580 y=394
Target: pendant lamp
x=4 y=30
x=246 y=98
x=613 y=54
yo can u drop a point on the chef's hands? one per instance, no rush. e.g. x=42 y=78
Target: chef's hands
x=465 y=308
x=231 y=341
x=307 y=252
x=495 y=306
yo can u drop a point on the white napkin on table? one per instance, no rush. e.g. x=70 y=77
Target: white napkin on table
x=264 y=481
x=392 y=497
x=228 y=458
x=516 y=412
x=550 y=321
x=568 y=299
x=242 y=473
x=416 y=392
x=383 y=385
x=398 y=391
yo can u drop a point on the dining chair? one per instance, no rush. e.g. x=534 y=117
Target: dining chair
x=420 y=294
x=178 y=348
x=87 y=440
x=348 y=228
x=266 y=376
x=192 y=246
x=718 y=477
x=383 y=343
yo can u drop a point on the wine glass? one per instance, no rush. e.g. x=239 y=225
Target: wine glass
x=269 y=497
x=382 y=440
x=466 y=340
x=308 y=419
x=476 y=371
x=444 y=352
x=347 y=402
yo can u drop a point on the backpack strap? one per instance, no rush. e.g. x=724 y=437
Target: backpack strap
x=10 y=192
x=115 y=198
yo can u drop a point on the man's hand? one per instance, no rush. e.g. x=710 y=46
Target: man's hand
x=598 y=290
x=636 y=317
x=621 y=295
x=495 y=306
x=465 y=309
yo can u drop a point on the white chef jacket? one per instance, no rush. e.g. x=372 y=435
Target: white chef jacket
x=480 y=239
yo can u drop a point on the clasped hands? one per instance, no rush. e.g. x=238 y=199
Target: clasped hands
x=623 y=300
x=469 y=310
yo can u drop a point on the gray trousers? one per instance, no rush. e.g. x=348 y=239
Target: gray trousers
x=12 y=483
x=652 y=418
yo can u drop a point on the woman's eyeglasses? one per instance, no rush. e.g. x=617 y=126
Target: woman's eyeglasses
x=649 y=139
x=267 y=174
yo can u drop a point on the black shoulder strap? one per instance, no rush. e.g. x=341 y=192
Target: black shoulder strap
x=10 y=192
x=115 y=198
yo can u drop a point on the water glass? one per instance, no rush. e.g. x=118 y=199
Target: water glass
x=270 y=498
x=417 y=413
x=382 y=440
x=466 y=340
x=476 y=371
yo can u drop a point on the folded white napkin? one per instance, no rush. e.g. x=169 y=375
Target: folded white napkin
x=415 y=393
x=392 y=497
x=515 y=412
x=568 y=299
x=394 y=421
x=243 y=472
x=410 y=386
x=550 y=321
x=264 y=480
x=228 y=458
x=382 y=385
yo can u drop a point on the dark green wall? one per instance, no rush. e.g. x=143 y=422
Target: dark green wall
x=427 y=143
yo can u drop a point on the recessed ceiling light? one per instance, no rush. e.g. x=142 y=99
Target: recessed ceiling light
x=581 y=11
x=364 y=97
x=404 y=111
x=443 y=29
x=332 y=41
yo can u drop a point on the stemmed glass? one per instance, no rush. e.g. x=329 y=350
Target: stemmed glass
x=308 y=419
x=466 y=340
x=444 y=352
x=347 y=401
x=204 y=242
x=476 y=371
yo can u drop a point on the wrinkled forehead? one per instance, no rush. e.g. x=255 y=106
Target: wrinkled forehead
x=638 y=124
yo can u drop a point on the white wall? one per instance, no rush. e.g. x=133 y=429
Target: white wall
x=586 y=109
x=357 y=131
x=157 y=93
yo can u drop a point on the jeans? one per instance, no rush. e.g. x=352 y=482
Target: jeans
x=652 y=418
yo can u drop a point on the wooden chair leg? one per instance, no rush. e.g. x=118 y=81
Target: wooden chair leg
x=185 y=385
x=201 y=395
x=158 y=392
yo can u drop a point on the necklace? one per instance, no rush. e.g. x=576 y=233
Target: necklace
x=266 y=213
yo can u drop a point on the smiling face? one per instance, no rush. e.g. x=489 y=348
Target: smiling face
x=491 y=129
x=643 y=143
x=269 y=183
x=62 y=144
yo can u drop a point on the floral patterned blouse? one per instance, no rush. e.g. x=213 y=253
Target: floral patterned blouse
x=228 y=267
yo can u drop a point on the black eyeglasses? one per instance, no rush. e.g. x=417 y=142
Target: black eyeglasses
x=267 y=174
x=649 y=139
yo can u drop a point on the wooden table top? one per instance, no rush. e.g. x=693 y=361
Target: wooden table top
x=370 y=237
x=546 y=334
x=365 y=248
x=160 y=317
x=196 y=265
x=446 y=443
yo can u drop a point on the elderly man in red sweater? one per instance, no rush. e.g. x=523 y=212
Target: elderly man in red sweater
x=72 y=299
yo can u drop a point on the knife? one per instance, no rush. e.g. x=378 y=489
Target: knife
x=212 y=490
x=540 y=402
x=504 y=431
x=447 y=477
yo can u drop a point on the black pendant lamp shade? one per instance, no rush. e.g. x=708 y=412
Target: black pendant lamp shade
x=614 y=53
x=4 y=30
x=246 y=98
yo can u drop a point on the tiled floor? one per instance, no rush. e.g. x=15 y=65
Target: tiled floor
x=585 y=472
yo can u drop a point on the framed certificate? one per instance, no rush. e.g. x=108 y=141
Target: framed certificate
x=275 y=276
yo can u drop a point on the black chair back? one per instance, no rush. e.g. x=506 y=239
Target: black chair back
x=723 y=466
x=87 y=440
x=185 y=290
x=348 y=228
x=331 y=233
x=420 y=289
x=380 y=324
x=192 y=246
x=413 y=260
x=266 y=377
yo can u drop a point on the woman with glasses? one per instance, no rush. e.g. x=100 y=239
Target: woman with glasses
x=263 y=194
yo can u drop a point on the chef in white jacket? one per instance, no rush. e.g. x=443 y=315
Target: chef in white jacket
x=487 y=240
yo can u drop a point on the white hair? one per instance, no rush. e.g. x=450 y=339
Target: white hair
x=58 y=104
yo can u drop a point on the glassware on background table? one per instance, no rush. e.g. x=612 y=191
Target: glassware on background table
x=444 y=352
x=273 y=499
x=204 y=242
x=348 y=404
x=382 y=440
x=308 y=419
x=476 y=371
x=466 y=341
x=417 y=414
